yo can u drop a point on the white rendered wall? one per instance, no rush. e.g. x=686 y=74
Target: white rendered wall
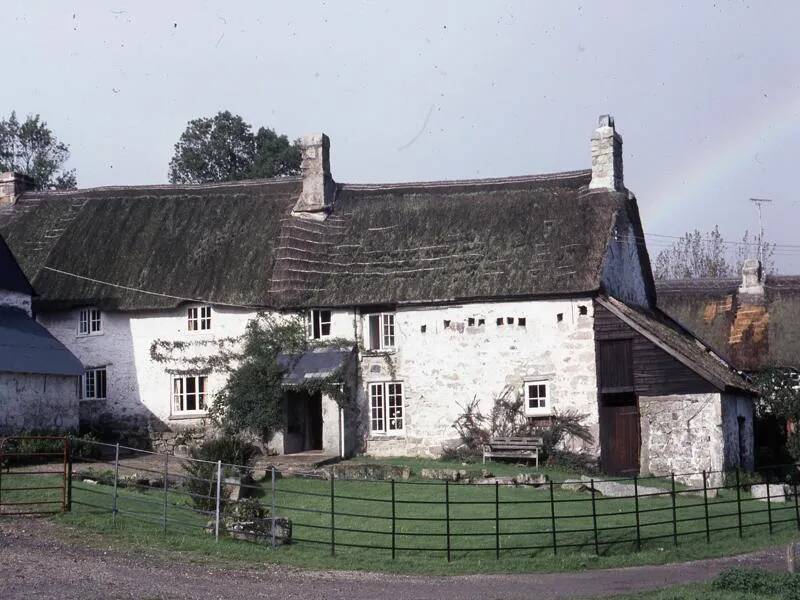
x=34 y=401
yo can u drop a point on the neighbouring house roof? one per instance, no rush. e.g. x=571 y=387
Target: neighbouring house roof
x=317 y=363
x=751 y=331
x=238 y=243
x=680 y=343
x=11 y=276
x=27 y=347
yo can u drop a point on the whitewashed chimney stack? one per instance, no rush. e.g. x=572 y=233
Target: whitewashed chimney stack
x=607 y=157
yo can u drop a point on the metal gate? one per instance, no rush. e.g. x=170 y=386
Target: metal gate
x=34 y=475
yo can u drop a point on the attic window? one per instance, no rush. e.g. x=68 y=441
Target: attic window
x=199 y=318
x=510 y=320
x=471 y=322
x=560 y=317
x=583 y=310
x=423 y=328
x=522 y=321
x=90 y=322
x=447 y=323
x=318 y=324
x=380 y=331
x=499 y=321
x=481 y=322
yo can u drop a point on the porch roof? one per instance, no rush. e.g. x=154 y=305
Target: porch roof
x=317 y=363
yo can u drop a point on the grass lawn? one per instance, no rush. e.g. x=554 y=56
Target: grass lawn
x=363 y=518
x=699 y=592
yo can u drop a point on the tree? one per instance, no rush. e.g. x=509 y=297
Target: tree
x=224 y=148
x=709 y=255
x=31 y=148
x=780 y=398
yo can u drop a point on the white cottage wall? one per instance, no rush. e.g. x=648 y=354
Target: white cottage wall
x=445 y=366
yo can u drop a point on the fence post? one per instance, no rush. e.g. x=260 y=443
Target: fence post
x=796 y=506
x=594 y=519
x=553 y=518
x=394 y=524
x=769 y=507
x=219 y=494
x=333 y=523
x=739 y=502
x=447 y=514
x=674 y=513
x=166 y=477
x=496 y=519
x=705 y=506
x=272 y=510
x=116 y=478
x=68 y=474
x=636 y=509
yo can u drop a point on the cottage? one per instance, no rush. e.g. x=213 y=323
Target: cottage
x=39 y=377
x=449 y=291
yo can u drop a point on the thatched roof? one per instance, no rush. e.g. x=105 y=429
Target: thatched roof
x=11 y=276
x=750 y=331
x=679 y=343
x=238 y=243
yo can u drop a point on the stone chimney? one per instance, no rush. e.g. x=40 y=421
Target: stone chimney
x=607 y=157
x=318 y=185
x=752 y=282
x=12 y=186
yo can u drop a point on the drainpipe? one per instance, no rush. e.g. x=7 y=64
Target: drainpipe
x=341 y=432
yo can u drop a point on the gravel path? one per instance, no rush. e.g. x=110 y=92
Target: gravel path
x=38 y=561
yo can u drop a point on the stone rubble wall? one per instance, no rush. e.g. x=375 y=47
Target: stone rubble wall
x=33 y=401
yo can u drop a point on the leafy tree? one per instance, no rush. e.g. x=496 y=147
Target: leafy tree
x=30 y=147
x=780 y=397
x=224 y=148
x=708 y=255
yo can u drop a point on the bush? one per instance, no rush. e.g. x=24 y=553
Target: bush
x=80 y=447
x=756 y=582
x=201 y=482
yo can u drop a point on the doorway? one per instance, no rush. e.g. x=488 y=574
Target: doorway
x=620 y=435
x=303 y=422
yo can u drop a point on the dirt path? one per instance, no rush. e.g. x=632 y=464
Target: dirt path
x=37 y=561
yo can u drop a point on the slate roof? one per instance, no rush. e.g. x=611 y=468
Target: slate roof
x=751 y=332
x=27 y=347
x=317 y=363
x=11 y=276
x=237 y=243
x=677 y=341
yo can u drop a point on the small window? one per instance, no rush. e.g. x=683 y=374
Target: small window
x=447 y=323
x=537 y=398
x=90 y=321
x=386 y=407
x=481 y=322
x=199 y=318
x=380 y=331
x=583 y=310
x=94 y=384
x=318 y=324
x=560 y=317
x=189 y=394
x=499 y=321
x=423 y=328
x=522 y=321
x=471 y=322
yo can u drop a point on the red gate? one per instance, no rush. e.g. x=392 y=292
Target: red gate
x=34 y=475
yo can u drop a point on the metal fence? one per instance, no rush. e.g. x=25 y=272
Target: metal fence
x=438 y=518
x=51 y=494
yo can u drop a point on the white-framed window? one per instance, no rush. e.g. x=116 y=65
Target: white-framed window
x=537 y=398
x=189 y=394
x=94 y=384
x=318 y=324
x=199 y=318
x=90 y=321
x=386 y=407
x=380 y=331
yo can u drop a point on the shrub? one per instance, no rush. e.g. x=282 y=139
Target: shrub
x=80 y=447
x=756 y=582
x=201 y=482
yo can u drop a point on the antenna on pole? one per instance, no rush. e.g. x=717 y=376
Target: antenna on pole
x=758 y=202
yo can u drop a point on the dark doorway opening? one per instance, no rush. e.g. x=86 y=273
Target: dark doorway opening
x=620 y=435
x=303 y=422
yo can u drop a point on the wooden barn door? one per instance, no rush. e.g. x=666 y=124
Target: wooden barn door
x=620 y=436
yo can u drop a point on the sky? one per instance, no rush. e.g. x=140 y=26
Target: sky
x=705 y=95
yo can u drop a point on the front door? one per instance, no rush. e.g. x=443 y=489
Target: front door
x=303 y=422
x=620 y=436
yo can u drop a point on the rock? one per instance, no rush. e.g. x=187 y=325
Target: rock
x=618 y=489
x=182 y=450
x=777 y=492
x=90 y=481
x=495 y=480
x=443 y=474
x=370 y=471
x=574 y=485
x=255 y=530
x=793 y=557
x=534 y=479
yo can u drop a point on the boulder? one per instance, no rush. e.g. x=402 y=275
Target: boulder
x=618 y=489
x=777 y=492
x=534 y=479
x=370 y=471
x=495 y=480
x=574 y=485
x=255 y=530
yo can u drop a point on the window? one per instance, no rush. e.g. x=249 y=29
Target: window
x=386 y=407
x=189 y=394
x=199 y=318
x=522 y=321
x=499 y=321
x=537 y=398
x=94 y=384
x=583 y=310
x=318 y=324
x=89 y=321
x=380 y=331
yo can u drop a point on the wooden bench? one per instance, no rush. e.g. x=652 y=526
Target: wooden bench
x=514 y=447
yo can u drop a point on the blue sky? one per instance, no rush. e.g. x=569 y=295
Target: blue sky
x=706 y=95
